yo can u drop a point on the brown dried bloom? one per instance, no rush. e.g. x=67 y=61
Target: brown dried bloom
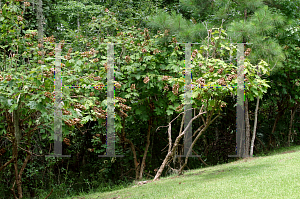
x=230 y=77
x=201 y=81
x=67 y=141
x=41 y=53
x=175 y=88
x=146 y=80
x=124 y=107
x=97 y=78
x=221 y=81
x=33 y=33
x=132 y=87
x=20 y=18
x=165 y=78
x=194 y=53
x=220 y=71
x=179 y=108
x=40 y=62
x=122 y=114
x=118 y=85
x=223 y=104
x=27 y=4
x=127 y=59
x=121 y=99
x=166 y=88
x=105 y=66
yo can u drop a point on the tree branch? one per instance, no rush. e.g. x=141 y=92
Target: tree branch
x=6 y=164
x=176 y=118
x=200 y=158
x=49 y=194
x=24 y=165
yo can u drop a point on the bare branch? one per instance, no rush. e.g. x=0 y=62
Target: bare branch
x=274 y=65
x=24 y=164
x=190 y=122
x=29 y=151
x=199 y=158
x=7 y=163
x=173 y=119
x=170 y=139
x=181 y=126
x=13 y=190
x=203 y=119
x=49 y=194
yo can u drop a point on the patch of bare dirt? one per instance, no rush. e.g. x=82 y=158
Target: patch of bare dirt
x=249 y=159
x=292 y=151
x=199 y=173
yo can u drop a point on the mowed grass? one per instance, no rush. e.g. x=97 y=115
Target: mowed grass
x=274 y=176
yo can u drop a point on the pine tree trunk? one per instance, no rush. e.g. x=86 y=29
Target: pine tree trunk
x=254 y=128
x=293 y=111
x=273 y=130
x=247 y=140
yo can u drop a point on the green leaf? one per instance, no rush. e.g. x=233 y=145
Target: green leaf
x=136 y=94
x=9 y=102
x=104 y=103
x=138 y=111
x=195 y=94
x=77 y=68
x=169 y=112
x=86 y=119
x=172 y=98
x=284 y=91
x=13 y=107
x=32 y=104
x=158 y=111
x=212 y=103
x=41 y=108
x=144 y=117
x=29 y=123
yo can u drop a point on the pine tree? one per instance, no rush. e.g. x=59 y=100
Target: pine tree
x=247 y=21
x=256 y=22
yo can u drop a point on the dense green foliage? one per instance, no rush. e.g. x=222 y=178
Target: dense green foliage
x=149 y=86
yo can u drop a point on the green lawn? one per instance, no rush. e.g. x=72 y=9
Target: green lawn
x=274 y=176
